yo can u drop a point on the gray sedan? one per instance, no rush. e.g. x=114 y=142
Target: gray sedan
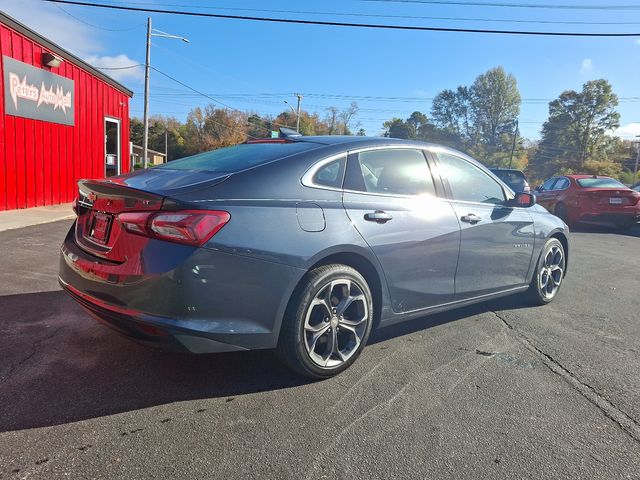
x=304 y=244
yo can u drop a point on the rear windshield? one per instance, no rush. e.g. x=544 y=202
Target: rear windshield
x=238 y=157
x=512 y=176
x=600 y=183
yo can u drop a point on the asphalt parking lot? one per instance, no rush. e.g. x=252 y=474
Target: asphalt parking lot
x=498 y=390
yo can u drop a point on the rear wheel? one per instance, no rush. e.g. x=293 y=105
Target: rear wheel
x=549 y=273
x=328 y=322
x=625 y=226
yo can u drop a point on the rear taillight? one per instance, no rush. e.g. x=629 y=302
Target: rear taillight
x=190 y=227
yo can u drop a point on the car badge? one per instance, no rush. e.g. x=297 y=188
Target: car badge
x=92 y=197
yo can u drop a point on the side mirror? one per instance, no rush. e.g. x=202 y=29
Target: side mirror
x=523 y=200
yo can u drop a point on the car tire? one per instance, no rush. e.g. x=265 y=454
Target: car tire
x=625 y=226
x=327 y=323
x=549 y=273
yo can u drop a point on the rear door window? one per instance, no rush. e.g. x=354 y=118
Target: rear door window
x=393 y=171
x=561 y=184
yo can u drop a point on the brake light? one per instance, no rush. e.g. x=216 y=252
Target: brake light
x=190 y=227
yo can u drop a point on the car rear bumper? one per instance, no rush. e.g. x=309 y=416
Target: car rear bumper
x=615 y=218
x=183 y=298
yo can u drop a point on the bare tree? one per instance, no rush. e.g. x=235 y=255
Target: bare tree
x=347 y=115
x=332 y=120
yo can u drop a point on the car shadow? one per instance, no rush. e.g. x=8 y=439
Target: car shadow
x=60 y=366
x=596 y=228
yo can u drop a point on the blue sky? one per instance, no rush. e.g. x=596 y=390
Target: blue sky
x=255 y=66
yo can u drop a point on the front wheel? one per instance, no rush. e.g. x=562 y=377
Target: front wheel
x=549 y=273
x=328 y=322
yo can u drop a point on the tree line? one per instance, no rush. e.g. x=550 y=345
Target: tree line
x=479 y=119
x=212 y=127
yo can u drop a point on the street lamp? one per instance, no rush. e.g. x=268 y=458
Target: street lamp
x=297 y=112
x=150 y=33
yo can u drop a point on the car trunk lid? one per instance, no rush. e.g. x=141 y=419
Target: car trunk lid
x=98 y=230
x=610 y=197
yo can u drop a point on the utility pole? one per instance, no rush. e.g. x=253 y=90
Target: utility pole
x=298 y=113
x=145 y=138
x=147 y=66
x=635 y=170
x=166 y=145
x=513 y=146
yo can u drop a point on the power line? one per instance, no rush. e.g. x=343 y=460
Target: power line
x=216 y=101
x=345 y=24
x=359 y=98
x=513 y=5
x=121 y=68
x=78 y=19
x=204 y=66
x=374 y=15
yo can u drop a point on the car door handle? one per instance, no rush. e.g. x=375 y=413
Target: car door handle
x=379 y=216
x=471 y=218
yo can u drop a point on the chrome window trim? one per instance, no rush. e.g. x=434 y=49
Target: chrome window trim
x=420 y=148
x=492 y=205
x=307 y=178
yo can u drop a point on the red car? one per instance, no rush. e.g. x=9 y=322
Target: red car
x=590 y=198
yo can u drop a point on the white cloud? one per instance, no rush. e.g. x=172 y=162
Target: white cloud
x=587 y=65
x=628 y=131
x=55 y=25
x=114 y=67
x=81 y=40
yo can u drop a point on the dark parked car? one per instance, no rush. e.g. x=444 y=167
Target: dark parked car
x=590 y=198
x=303 y=244
x=515 y=179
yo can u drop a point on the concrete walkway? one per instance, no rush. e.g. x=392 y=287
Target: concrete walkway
x=12 y=219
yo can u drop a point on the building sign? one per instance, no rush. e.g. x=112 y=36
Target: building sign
x=31 y=92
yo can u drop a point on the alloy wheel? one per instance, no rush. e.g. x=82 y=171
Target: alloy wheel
x=335 y=322
x=551 y=272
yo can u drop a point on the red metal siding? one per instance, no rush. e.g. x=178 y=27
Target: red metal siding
x=41 y=162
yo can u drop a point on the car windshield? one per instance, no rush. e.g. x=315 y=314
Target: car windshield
x=600 y=183
x=239 y=157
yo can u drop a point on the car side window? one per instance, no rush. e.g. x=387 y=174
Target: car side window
x=561 y=184
x=391 y=171
x=331 y=174
x=548 y=184
x=467 y=182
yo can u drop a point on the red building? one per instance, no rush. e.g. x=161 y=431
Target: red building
x=60 y=120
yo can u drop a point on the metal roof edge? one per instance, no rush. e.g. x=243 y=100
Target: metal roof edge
x=28 y=32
